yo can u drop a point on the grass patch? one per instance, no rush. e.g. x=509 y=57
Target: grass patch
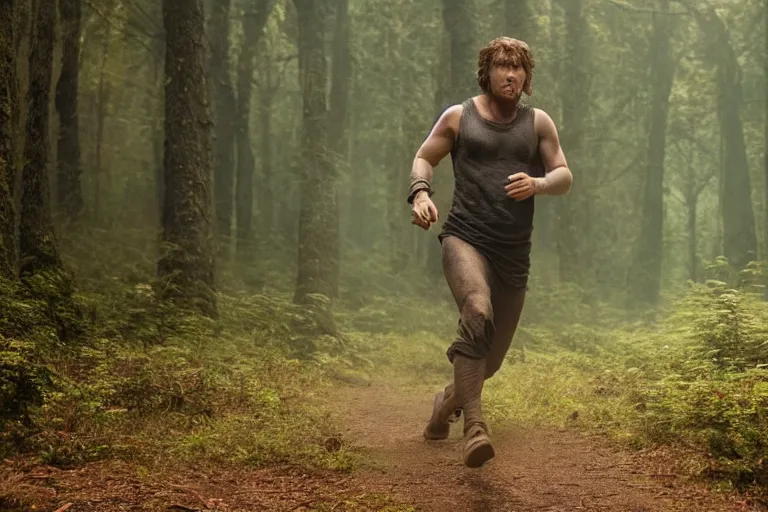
x=223 y=404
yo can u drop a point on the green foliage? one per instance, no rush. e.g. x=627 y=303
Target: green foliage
x=151 y=380
x=53 y=293
x=21 y=317
x=699 y=380
x=230 y=401
x=728 y=324
x=723 y=415
x=23 y=381
x=43 y=307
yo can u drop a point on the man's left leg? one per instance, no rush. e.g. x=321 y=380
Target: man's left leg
x=444 y=412
x=508 y=305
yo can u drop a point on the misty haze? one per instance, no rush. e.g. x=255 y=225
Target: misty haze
x=384 y=255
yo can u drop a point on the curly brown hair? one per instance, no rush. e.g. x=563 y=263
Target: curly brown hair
x=504 y=51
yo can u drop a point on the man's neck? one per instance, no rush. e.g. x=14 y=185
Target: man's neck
x=502 y=110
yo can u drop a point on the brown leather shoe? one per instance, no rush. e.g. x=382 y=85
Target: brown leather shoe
x=477 y=446
x=439 y=425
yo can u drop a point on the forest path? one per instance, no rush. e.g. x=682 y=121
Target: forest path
x=533 y=470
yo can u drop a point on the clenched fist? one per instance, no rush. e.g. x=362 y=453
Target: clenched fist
x=521 y=186
x=423 y=211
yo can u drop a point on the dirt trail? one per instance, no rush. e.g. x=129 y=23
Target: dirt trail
x=550 y=471
x=534 y=470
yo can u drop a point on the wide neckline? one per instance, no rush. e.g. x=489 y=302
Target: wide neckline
x=518 y=110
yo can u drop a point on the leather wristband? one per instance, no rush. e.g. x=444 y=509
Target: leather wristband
x=417 y=186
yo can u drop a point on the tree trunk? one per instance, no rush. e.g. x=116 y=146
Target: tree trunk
x=692 y=201
x=70 y=194
x=357 y=204
x=575 y=103
x=21 y=42
x=37 y=243
x=739 y=235
x=694 y=184
x=157 y=129
x=318 y=249
x=102 y=101
x=395 y=205
x=644 y=280
x=224 y=114
x=245 y=162
x=8 y=103
x=266 y=202
x=253 y=28
x=457 y=19
x=397 y=221
x=187 y=263
x=518 y=20
x=341 y=76
x=765 y=135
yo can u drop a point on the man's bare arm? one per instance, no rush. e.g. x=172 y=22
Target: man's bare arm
x=557 y=178
x=435 y=147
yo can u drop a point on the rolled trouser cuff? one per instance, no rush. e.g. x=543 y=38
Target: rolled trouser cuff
x=467 y=349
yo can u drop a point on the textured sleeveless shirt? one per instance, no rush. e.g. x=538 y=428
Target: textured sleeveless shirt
x=484 y=154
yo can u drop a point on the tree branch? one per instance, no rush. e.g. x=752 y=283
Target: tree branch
x=704 y=183
x=674 y=193
x=150 y=20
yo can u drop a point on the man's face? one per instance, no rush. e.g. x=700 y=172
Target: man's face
x=507 y=78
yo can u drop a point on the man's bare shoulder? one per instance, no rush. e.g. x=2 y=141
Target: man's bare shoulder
x=456 y=108
x=450 y=118
x=454 y=112
x=541 y=115
x=542 y=122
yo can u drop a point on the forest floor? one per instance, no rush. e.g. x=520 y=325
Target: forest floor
x=534 y=470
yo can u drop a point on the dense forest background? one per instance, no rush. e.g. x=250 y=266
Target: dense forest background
x=197 y=195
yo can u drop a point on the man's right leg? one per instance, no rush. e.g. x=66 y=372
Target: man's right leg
x=507 y=307
x=468 y=277
x=467 y=273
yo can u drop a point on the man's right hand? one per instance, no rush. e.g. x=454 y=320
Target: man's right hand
x=423 y=211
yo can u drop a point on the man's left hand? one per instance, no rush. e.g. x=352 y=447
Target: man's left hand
x=520 y=186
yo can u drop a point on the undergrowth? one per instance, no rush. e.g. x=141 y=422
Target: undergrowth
x=234 y=395
x=253 y=387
